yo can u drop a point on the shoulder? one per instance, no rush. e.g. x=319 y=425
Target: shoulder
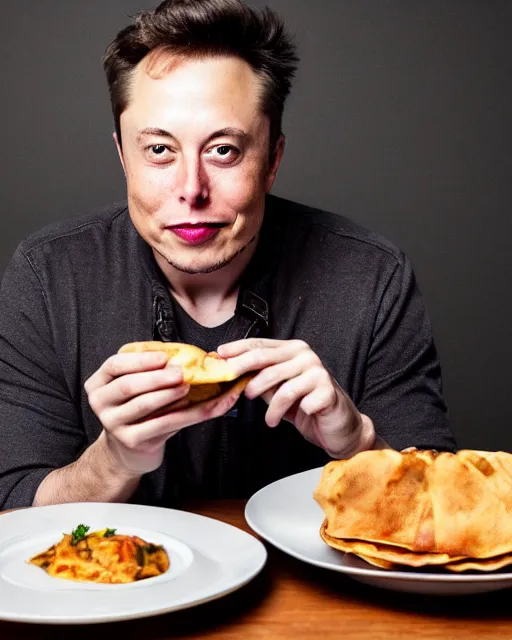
x=332 y=231
x=82 y=228
x=76 y=249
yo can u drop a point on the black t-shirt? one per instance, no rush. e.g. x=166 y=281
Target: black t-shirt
x=75 y=292
x=191 y=332
x=200 y=443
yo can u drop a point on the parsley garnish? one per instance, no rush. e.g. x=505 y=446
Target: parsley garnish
x=109 y=532
x=79 y=533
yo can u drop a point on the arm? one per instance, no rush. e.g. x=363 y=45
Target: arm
x=43 y=459
x=93 y=477
x=298 y=388
x=402 y=404
x=39 y=427
x=403 y=388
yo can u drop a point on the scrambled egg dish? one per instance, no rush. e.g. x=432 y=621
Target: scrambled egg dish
x=103 y=557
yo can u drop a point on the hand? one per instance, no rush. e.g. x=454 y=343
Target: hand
x=298 y=389
x=130 y=394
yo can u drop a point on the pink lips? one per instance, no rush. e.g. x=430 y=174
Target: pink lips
x=196 y=234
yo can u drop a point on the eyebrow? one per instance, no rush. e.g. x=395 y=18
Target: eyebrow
x=228 y=131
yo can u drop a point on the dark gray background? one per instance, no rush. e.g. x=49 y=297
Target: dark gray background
x=400 y=118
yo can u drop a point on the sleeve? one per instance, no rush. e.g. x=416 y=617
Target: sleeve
x=403 y=388
x=39 y=427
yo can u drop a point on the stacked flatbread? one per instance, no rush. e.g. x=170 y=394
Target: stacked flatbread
x=420 y=508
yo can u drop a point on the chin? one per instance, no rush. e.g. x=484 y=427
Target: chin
x=206 y=265
x=195 y=269
x=203 y=259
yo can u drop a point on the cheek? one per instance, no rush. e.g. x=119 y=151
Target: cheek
x=241 y=191
x=145 y=192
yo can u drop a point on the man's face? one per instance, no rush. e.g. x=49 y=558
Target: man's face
x=195 y=150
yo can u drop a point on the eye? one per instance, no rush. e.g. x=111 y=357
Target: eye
x=158 y=153
x=224 y=153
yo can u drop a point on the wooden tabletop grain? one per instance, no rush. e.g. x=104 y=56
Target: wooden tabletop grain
x=290 y=599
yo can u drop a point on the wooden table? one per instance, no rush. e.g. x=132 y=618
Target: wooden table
x=290 y=599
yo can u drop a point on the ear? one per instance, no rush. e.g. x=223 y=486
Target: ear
x=276 y=161
x=119 y=151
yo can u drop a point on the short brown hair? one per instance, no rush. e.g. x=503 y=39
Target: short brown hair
x=202 y=28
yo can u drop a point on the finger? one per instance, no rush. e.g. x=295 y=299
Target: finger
x=122 y=364
x=236 y=348
x=319 y=401
x=274 y=375
x=127 y=387
x=142 y=406
x=215 y=407
x=139 y=435
x=294 y=391
x=259 y=358
x=341 y=434
x=268 y=395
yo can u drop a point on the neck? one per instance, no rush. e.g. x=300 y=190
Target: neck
x=210 y=298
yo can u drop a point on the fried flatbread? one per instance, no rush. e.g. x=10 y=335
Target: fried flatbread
x=208 y=375
x=484 y=564
x=391 y=554
x=420 y=508
x=364 y=497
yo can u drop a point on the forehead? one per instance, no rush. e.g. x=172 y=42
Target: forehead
x=195 y=89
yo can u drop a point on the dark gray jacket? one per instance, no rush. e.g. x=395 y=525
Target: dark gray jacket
x=75 y=292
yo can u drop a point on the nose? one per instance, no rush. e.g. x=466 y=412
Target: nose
x=192 y=183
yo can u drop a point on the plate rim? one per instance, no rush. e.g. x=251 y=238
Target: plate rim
x=260 y=558
x=411 y=576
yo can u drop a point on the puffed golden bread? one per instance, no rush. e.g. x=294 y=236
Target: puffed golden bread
x=208 y=375
x=419 y=508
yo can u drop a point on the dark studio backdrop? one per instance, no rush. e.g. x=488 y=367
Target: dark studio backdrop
x=399 y=118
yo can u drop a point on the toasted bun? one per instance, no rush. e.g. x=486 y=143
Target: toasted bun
x=208 y=374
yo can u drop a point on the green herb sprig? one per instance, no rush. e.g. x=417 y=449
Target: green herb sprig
x=79 y=533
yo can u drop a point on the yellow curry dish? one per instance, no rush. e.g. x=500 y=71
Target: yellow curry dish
x=102 y=557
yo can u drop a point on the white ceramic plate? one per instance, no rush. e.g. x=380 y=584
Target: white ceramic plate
x=208 y=559
x=285 y=514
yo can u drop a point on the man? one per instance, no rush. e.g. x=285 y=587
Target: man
x=327 y=313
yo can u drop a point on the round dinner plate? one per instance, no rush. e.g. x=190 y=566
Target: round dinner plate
x=208 y=559
x=286 y=514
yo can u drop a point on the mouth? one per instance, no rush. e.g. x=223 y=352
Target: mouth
x=197 y=232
